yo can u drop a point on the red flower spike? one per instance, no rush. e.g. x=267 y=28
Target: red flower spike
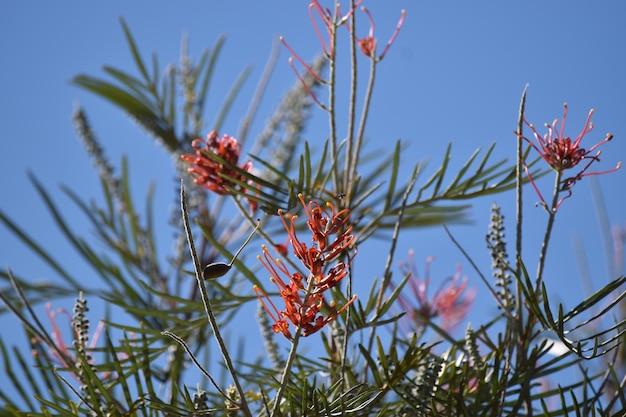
x=562 y=153
x=303 y=313
x=303 y=309
x=209 y=174
x=322 y=225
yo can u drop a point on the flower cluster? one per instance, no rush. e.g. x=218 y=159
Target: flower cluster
x=450 y=301
x=562 y=153
x=212 y=174
x=304 y=297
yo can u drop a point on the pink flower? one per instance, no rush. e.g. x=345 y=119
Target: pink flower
x=562 y=153
x=450 y=302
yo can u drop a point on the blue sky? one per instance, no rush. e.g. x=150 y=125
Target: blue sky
x=455 y=74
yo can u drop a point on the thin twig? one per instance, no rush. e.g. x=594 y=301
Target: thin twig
x=207 y=304
x=498 y=300
x=75 y=391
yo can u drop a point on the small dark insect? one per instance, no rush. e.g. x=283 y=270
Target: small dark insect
x=218 y=269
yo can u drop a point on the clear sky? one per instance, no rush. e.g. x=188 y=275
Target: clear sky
x=455 y=74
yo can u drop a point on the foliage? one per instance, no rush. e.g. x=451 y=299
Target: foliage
x=366 y=363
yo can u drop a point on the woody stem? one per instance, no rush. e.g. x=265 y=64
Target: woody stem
x=283 y=379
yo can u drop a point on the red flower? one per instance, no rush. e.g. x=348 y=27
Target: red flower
x=562 y=153
x=322 y=226
x=302 y=309
x=213 y=175
x=304 y=297
x=449 y=302
x=367 y=45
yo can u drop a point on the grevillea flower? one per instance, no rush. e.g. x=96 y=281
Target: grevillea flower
x=305 y=306
x=211 y=174
x=367 y=45
x=322 y=225
x=562 y=153
x=451 y=301
x=303 y=309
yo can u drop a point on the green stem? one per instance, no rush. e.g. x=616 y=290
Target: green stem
x=347 y=188
x=286 y=371
x=546 y=239
x=517 y=330
x=518 y=209
x=331 y=102
x=359 y=137
x=292 y=352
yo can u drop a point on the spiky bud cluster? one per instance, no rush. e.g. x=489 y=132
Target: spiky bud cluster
x=500 y=264
x=472 y=348
x=80 y=324
x=423 y=388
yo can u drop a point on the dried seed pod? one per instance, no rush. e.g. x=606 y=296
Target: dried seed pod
x=218 y=269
